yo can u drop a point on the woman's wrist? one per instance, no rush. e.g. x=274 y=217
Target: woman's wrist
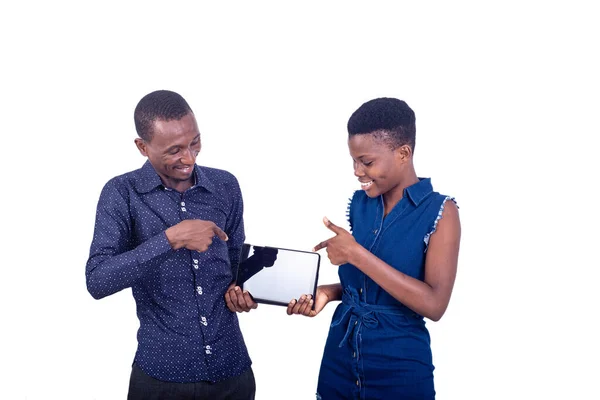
x=356 y=255
x=332 y=291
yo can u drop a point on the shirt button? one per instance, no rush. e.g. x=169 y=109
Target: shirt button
x=183 y=209
x=360 y=291
x=208 y=350
x=355 y=322
x=199 y=289
x=357 y=383
x=203 y=321
x=183 y=204
x=375 y=231
x=195 y=264
x=354 y=355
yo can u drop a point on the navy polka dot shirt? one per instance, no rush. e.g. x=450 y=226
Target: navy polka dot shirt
x=187 y=333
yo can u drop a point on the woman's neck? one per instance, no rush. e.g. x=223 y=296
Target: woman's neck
x=394 y=195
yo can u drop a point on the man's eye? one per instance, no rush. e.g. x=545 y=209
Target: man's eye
x=367 y=163
x=174 y=151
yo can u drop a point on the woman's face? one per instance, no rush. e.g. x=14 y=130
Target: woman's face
x=378 y=168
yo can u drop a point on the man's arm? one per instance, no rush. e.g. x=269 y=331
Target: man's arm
x=236 y=300
x=235 y=227
x=115 y=263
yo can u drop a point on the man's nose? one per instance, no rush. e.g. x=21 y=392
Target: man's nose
x=188 y=157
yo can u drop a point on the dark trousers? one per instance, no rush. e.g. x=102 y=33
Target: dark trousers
x=144 y=387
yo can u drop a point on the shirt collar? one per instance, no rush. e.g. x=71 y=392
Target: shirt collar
x=418 y=191
x=148 y=179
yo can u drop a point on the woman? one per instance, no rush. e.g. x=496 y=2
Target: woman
x=396 y=267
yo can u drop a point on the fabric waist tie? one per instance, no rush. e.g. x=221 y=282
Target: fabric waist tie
x=356 y=311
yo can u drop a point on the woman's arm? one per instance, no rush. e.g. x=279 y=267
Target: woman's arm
x=429 y=298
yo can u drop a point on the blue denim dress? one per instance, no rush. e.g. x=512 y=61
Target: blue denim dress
x=378 y=348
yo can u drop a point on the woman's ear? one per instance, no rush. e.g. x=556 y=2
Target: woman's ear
x=403 y=153
x=141 y=145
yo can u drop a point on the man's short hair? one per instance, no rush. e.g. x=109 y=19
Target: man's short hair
x=162 y=105
x=389 y=118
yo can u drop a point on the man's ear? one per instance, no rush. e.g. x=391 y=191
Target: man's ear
x=141 y=145
x=403 y=153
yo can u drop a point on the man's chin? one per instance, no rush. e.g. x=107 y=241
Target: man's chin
x=183 y=178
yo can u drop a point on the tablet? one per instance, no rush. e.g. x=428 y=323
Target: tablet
x=274 y=275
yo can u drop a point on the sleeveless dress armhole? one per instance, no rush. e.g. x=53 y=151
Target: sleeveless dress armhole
x=435 y=223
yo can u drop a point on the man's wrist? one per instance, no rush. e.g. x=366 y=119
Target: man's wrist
x=171 y=234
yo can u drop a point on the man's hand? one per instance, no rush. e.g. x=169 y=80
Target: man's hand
x=340 y=247
x=238 y=301
x=194 y=234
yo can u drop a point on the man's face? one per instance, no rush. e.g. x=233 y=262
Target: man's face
x=172 y=151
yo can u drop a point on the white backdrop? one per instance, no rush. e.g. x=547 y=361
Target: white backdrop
x=506 y=98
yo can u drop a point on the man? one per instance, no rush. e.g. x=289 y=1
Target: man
x=173 y=232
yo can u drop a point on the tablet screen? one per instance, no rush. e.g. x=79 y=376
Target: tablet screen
x=275 y=275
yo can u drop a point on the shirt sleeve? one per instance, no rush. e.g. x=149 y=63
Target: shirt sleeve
x=114 y=263
x=235 y=227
